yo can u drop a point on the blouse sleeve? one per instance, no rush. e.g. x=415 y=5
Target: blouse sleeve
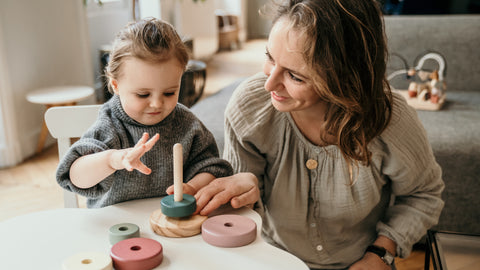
x=415 y=176
x=203 y=153
x=246 y=119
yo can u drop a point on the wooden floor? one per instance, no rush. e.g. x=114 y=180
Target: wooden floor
x=31 y=186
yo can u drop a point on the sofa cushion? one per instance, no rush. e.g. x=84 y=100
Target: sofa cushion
x=454 y=133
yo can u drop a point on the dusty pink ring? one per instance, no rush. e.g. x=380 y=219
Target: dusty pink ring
x=229 y=231
x=136 y=253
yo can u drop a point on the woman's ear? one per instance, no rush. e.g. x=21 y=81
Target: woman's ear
x=114 y=85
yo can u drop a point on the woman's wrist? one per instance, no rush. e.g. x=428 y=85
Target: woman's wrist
x=387 y=243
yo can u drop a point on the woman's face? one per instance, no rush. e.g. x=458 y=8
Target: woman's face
x=289 y=77
x=148 y=91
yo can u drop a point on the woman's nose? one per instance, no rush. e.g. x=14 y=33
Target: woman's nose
x=274 y=79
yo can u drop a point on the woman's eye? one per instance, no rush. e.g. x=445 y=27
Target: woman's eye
x=295 y=78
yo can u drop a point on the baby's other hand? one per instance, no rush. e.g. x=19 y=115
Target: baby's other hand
x=129 y=158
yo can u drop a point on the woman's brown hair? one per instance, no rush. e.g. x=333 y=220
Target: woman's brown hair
x=150 y=40
x=346 y=48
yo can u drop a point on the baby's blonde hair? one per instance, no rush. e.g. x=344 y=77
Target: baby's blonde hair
x=151 y=40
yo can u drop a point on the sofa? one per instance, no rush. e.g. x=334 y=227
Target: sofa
x=453 y=131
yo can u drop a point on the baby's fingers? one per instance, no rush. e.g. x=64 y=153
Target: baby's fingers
x=150 y=143
x=136 y=153
x=142 y=140
x=143 y=169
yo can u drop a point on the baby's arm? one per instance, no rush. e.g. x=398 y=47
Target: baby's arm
x=89 y=170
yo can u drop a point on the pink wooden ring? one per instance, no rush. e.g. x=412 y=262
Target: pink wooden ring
x=229 y=231
x=136 y=253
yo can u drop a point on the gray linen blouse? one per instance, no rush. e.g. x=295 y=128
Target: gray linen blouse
x=308 y=204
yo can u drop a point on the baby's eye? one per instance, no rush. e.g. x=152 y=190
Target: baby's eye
x=143 y=95
x=269 y=57
x=169 y=94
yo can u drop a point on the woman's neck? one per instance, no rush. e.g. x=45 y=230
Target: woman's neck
x=310 y=124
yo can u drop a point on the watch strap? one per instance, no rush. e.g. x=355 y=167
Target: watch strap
x=381 y=252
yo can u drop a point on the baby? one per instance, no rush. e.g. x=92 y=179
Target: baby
x=117 y=159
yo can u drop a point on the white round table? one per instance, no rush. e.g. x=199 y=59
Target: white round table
x=43 y=240
x=67 y=95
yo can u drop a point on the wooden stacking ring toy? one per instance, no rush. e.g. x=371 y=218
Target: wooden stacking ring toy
x=174 y=218
x=178 y=204
x=123 y=231
x=182 y=208
x=88 y=261
x=176 y=227
x=229 y=231
x=136 y=254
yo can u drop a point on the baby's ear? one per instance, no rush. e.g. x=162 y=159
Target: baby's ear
x=114 y=85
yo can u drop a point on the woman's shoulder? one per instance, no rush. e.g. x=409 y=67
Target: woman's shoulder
x=404 y=127
x=402 y=113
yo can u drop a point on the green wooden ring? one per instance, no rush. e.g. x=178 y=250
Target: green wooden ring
x=123 y=231
x=183 y=208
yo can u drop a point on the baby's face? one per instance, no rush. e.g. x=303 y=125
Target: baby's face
x=148 y=91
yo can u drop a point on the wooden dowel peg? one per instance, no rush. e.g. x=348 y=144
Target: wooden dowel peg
x=179 y=204
x=178 y=172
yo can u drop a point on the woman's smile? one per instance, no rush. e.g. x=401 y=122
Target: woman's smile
x=277 y=97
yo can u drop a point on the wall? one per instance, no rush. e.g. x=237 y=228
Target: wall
x=257 y=25
x=39 y=47
x=195 y=20
x=103 y=24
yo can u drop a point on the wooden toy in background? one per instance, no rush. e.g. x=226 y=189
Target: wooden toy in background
x=123 y=231
x=88 y=261
x=174 y=218
x=136 y=254
x=427 y=89
x=229 y=231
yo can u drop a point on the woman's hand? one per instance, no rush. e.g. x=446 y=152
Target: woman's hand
x=129 y=158
x=187 y=189
x=240 y=190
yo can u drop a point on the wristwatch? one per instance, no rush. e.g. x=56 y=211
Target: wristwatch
x=386 y=256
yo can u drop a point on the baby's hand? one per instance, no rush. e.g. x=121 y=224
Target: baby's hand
x=129 y=158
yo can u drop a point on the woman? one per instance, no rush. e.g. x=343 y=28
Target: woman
x=346 y=176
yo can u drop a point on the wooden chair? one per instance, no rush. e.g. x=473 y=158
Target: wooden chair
x=65 y=123
x=57 y=96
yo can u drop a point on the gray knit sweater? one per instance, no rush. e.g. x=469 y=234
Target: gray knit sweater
x=114 y=129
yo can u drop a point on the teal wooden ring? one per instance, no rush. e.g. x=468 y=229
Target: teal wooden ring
x=123 y=231
x=183 y=208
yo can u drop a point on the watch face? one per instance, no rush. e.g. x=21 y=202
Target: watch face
x=388 y=258
x=381 y=252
